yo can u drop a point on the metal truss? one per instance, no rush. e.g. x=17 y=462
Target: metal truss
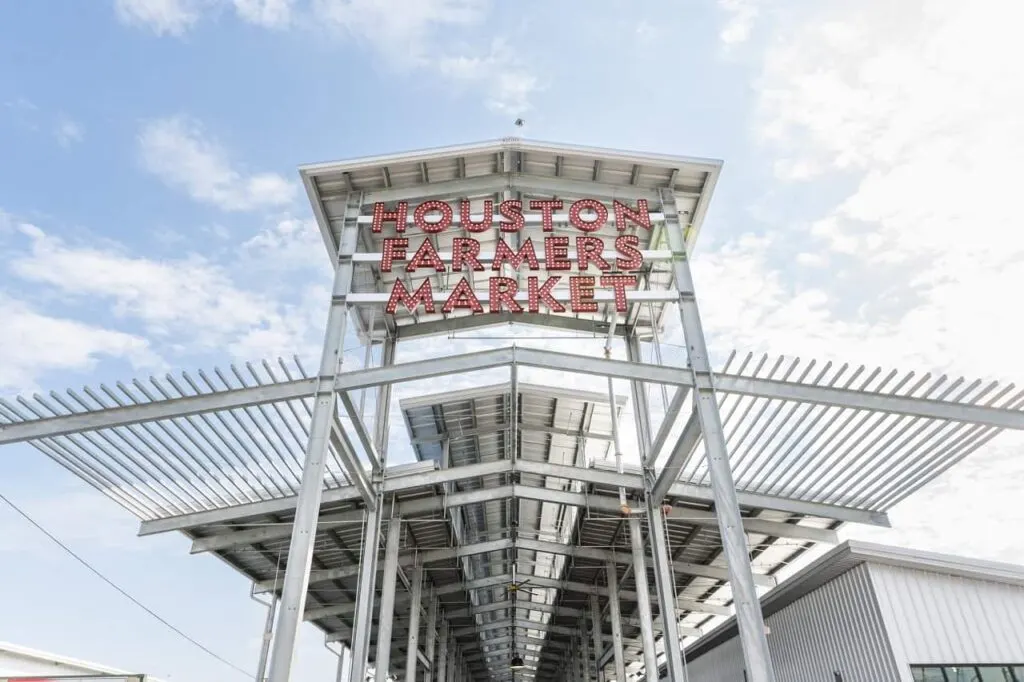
x=519 y=532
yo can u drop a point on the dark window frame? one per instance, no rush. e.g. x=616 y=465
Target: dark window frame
x=1011 y=671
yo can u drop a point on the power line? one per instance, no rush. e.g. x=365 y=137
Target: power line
x=110 y=582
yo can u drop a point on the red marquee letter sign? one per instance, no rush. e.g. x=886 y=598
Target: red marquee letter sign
x=542 y=293
x=503 y=252
x=466 y=251
x=419 y=216
x=547 y=207
x=462 y=296
x=503 y=293
x=466 y=217
x=426 y=257
x=641 y=216
x=631 y=259
x=400 y=216
x=399 y=294
x=512 y=209
x=589 y=249
x=576 y=215
x=581 y=295
x=394 y=249
x=619 y=283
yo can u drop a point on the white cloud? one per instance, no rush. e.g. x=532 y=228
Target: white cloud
x=740 y=17
x=401 y=24
x=507 y=85
x=163 y=17
x=68 y=132
x=414 y=33
x=178 y=151
x=267 y=13
x=918 y=108
x=289 y=244
x=923 y=103
x=34 y=343
x=190 y=304
x=77 y=515
x=177 y=17
x=404 y=33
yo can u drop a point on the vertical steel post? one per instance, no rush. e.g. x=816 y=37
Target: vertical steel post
x=367 y=590
x=584 y=651
x=643 y=595
x=596 y=625
x=666 y=592
x=615 y=614
x=431 y=643
x=453 y=662
x=268 y=636
x=442 y=655
x=581 y=657
x=749 y=619
x=362 y=622
x=414 y=624
x=343 y=664
x=387 y=600
x=382 y=421
x=307 y=509
x=664 y=582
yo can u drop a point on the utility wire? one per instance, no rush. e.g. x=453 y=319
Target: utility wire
x=110 y=582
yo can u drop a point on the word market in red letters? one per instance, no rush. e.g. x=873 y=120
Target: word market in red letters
x=586 y=215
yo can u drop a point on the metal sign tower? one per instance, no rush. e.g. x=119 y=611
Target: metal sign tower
x=529 y=541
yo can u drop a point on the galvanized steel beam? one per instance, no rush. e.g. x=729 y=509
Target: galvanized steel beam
x=49 y=427
x=417 y=507
x=499 y=182
x=307 y=509
x=681 y=454
x=741 y=575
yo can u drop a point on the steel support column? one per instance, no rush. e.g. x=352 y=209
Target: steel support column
x=643 y=595
x=596 y=626
x=387 y=601
x=268 y=636
x=749 y=619
x=453 y=663
x=414 y=624
x=615 y=614
x=343 y=664
x=585 y=651
x=431 y=643
x=362 y=621
x=664 y=582
x=382 y=421
x=658 y=540
x=442 y=654
x=307 y=510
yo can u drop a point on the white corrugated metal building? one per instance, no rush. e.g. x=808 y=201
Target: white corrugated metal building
x=22 y=662
x=871 y=613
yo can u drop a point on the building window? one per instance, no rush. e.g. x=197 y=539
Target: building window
x=968 y=673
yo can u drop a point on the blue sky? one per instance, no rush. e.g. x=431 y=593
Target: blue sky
x=150 y=218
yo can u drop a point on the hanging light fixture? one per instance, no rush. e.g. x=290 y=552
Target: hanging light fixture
x=517 y=662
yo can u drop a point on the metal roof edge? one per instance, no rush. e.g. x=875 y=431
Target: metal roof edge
x=646 y=158
x=936 y=562
x=848 y=555
x=57 y=659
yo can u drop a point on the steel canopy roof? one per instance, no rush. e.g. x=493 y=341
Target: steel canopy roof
x=502 y=169
x=513 y=481
x=559 y=493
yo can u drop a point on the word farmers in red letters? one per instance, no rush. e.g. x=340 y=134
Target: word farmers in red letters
x=613 y=255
